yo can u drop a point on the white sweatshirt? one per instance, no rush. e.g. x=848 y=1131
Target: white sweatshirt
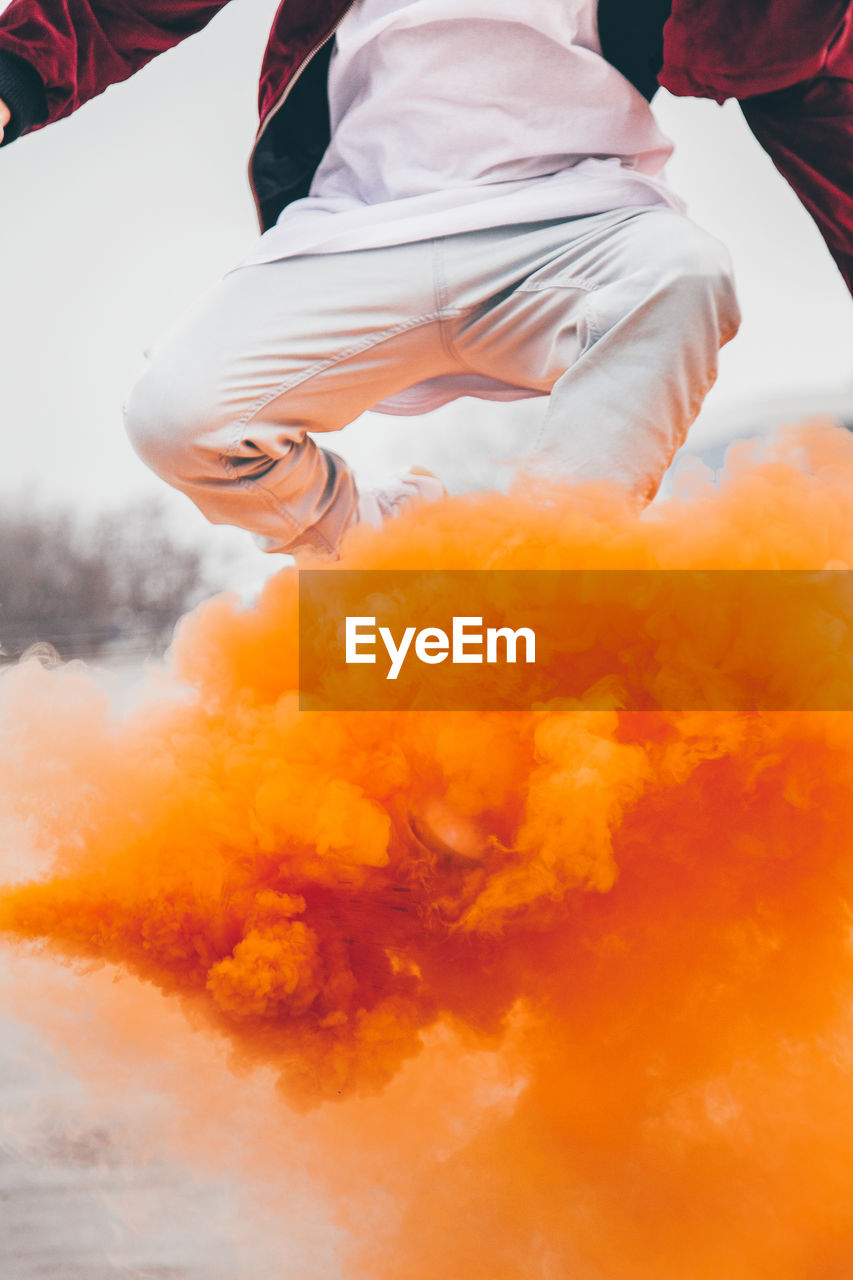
x=457 y=115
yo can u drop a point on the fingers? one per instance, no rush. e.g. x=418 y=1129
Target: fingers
x=5 y=117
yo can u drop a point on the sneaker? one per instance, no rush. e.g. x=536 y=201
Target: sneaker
x=375 y=506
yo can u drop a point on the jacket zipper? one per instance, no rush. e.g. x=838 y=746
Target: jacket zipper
x=285 y=93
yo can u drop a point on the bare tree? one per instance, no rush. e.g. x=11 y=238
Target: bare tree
x=79 y=586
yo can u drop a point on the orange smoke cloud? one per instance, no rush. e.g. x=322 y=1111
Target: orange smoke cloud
x=641 y=921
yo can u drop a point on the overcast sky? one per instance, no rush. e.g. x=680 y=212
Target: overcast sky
x=116 y=219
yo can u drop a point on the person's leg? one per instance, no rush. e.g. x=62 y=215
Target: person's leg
x=277 y=350
x=619 y=316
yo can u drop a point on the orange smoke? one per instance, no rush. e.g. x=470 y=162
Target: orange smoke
x=578 y=984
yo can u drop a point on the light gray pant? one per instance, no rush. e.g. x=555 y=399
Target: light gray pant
x=619 y=316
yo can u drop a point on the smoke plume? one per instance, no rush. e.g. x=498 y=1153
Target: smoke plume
x=552 y=994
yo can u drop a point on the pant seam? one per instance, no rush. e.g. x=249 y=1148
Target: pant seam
x=255 y=486
x=444 y=311
x=313 y=371
x=586 y=286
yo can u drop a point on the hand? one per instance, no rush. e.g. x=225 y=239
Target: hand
x=5 y=117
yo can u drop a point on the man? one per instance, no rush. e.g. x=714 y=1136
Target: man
x=461 y=197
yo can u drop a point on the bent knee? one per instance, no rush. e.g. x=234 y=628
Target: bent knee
x=680 y=275
x=171 y=421
x=696 y=271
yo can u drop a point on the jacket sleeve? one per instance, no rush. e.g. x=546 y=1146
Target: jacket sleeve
x=57 y=54
x=735 y=48
x=790 y=65
x=807 y=131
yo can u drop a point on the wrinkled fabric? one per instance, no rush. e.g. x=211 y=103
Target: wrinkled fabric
x=738 y=48
x=80 y=47
x=622 y=308
x=807 y=131
x=790 y=64
x=788 y=61
x=541 y=126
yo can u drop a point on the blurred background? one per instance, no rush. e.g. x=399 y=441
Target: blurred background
x=113 y=222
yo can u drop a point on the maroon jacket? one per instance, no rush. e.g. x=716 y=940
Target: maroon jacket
x=789 y=62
